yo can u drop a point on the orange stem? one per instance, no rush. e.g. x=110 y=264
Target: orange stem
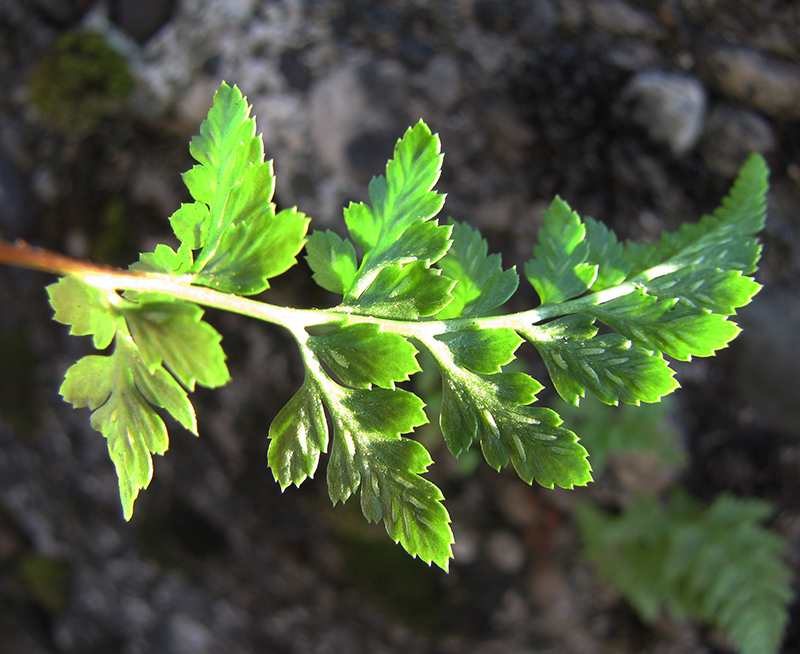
x=27 y=256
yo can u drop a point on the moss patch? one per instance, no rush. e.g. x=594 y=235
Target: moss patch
x=79 y=81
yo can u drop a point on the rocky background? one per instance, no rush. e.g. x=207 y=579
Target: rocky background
x=637 y=113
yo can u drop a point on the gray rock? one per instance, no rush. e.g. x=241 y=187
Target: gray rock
x=573 y=15
x=141 y=18
x=192 y=103
x=539 y=20
x=671 y=106
x=767 y=368
x=441 y=81
x=506 y=552
x=16 y=219
x=45 y=185
x=355 y=114
x=492 y=52
x=731 y=134
x=339 y=108
x=620 y=18
x=766 y=83
x=149 y=187
x=188 y=636
x=295 y=70
x=235 y=40
x=495 y=15
x=634 y=55
x=353 y=125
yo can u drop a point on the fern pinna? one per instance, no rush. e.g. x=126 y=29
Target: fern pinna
x=406 y=281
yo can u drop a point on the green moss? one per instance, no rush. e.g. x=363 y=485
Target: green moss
x=79 y=81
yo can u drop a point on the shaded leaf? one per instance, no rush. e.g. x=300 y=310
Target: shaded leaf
x=226 y=146
x=607 y=253
x=298 y=435
x=403 y=197
x=83 y=307
x=368 y=452
x=714 y=564
x=410 y=506
x=482 y=350
x=175 y=334
x=608 y=365
x=165 y=260
x=481 y=282
x=362 y=355
x=405 y=292
x=256 y=244
x=493 y=409
x=190 y=224
x=559 y=270
x=121 y=391
x=718 y=291
x=333 y=260
x=676 y=329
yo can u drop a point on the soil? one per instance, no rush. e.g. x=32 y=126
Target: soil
x=531 y=99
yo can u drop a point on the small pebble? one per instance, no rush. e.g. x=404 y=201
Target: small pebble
x=670 y=106
x=766 y=83
x=505 y=552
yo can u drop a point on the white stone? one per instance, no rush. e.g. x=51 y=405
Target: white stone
x=506 y=552
x=671 y=106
